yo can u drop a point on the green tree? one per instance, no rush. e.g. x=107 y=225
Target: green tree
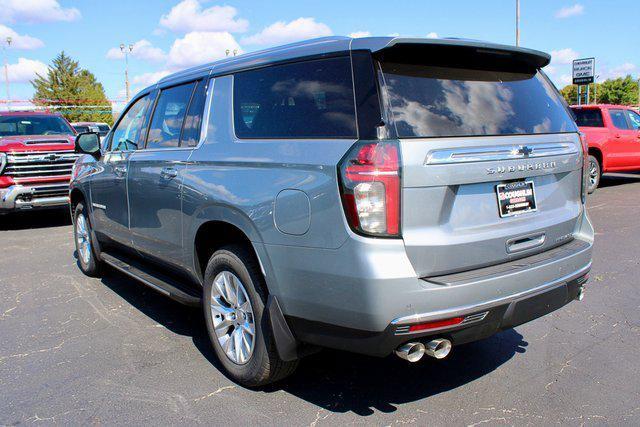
x=613 y=91
x=72 y=91
x=618 y=91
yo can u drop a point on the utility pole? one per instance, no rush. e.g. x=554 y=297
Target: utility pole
x=126 y=50
x=5 y=47
x=517 y=22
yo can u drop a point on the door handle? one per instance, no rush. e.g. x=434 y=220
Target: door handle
x=120 y=170
x=523 y=243
x=168 y=173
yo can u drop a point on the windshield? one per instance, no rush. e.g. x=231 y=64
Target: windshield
x=439 y=101
x=33 y=125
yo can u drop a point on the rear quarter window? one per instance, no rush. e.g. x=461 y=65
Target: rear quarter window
x=440 y=101
x=311 y=99
x=588 y=117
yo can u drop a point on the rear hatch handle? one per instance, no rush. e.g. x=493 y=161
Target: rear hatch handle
x=522 y=243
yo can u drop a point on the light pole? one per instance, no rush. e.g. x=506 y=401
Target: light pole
x=517 y=22
x=126 y=50
x=6 y=69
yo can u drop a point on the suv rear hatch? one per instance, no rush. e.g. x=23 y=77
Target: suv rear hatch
x=476 y=126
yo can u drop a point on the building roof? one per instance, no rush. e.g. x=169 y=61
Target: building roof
x=329 y=45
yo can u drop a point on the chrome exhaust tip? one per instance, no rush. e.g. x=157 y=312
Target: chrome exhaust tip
x=411 y=351
x=580 y=296
x=438 y=348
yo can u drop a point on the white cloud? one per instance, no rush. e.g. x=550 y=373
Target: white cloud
x=200 y=47
x=19 y=41
x=286 y=32
x=358 y=34
x=25 y=70
x=142 y=49
x=432 y=35
x=188 y=15
x=566 y=12
x=147 y=79
x=33 y=11
x=394 y=35
x=620 y=71
x=563 y=56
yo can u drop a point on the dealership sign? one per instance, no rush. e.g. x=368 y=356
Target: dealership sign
x=583 y=71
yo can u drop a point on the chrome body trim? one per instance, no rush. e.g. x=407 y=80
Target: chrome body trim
x=485 y=305
x=499 y=152
x=39 y=196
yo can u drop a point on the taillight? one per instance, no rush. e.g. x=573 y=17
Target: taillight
x=370 y=181
x=585 y=167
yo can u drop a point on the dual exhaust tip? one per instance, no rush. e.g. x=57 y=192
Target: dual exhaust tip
x=438 y=348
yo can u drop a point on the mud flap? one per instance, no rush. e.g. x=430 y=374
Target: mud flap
x=286 y=343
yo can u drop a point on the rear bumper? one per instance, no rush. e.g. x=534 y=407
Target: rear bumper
x=490 y=318
x=364 y=296
x=24 y=197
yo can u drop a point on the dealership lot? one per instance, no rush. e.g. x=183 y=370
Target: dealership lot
x=80 y=350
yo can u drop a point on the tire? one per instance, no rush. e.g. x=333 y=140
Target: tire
x=255 y=362
x=88 y=259
x=595 y=173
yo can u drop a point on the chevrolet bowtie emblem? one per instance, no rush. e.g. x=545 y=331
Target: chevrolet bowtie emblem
x=525 y=151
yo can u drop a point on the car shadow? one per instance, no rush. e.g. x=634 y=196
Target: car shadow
x=45 y=218
x=338 y=381
x=613 y=180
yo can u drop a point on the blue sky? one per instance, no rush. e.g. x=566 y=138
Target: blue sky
x=170 y=35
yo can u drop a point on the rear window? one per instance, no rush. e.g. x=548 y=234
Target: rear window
x=311 y=99
x=440 y=101
x=590 y=117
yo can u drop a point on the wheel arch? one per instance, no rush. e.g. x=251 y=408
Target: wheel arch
x=213 y=234
x=597 y=153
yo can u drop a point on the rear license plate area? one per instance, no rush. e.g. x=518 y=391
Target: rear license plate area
x=515 y=198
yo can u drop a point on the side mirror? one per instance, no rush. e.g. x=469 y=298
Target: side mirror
x=88 y=143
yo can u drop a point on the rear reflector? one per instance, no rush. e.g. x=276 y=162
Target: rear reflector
x=436 y=324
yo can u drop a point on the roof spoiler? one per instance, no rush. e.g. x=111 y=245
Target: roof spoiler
x=530 y=57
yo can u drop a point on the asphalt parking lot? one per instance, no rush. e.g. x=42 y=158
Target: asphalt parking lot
x=77 y=350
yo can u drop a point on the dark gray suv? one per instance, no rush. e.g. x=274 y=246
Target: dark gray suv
x=375 y=195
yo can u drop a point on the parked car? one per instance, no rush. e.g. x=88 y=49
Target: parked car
x=97 y=127
x=613 y=135
x=36 y=157
x=375 y=195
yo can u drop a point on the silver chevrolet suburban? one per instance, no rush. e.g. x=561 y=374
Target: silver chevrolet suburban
x=377 y=195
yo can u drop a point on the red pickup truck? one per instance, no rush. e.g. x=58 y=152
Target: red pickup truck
x=613 y=135
x=36 y=157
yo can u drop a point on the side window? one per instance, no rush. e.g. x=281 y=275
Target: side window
x=590 y=117
x=618 y=119
x=634 y=119
x=168 y=116
x=312 y=99
x=126 y=135
x=193 y=120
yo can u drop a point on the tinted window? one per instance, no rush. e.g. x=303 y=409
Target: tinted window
x=33 y=125
x=618 y=119
x=81 y=129
x=436 y=101
x=193 y=120
x=168 y=116
x=126 y=135
x=634 y=119
x=312 y=99
x=590 y=117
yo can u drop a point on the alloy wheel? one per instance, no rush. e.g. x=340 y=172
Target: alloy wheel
x=233 y=319
x=82 y=239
